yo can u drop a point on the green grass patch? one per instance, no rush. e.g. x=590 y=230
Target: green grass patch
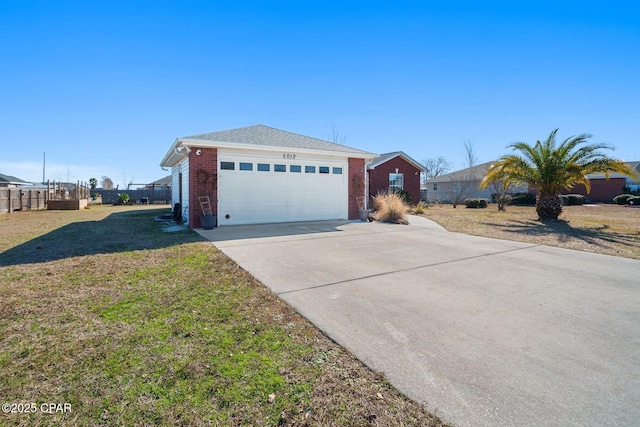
x=162 y=329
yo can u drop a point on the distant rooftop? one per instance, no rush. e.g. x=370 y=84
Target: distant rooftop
x=8 y=179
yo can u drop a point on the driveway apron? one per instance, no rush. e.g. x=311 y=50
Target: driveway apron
x=484 y=332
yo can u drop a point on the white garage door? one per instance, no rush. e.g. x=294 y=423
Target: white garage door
x=254 y=190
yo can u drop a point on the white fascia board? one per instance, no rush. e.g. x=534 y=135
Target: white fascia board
x=189 y=142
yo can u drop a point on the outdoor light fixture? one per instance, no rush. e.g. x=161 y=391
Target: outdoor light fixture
x=198 y=152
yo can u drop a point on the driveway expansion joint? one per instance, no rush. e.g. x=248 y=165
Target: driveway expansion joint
x=326 y=285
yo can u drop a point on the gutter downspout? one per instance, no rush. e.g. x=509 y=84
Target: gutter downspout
x=366 y=183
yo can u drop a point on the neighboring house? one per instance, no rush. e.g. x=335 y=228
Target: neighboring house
x=395 y=171
x=258 y=174
x=604 y=190
x=462 y=184
x=468 y=180
x=161 y=184
x=8 y=181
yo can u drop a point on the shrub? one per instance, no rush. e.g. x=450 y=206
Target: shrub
x=420 y=208
x=634 y=200
x=573 y=199
x=123 y=199
x=622 y=199
x=521 y=199
x=476 y=203
x=390 y=207
x=408 y=198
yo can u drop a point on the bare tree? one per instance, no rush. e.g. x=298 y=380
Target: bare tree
x=106 y=183
x=336 y=136
x=501 y=192
x=436 y=166
x=462 y=185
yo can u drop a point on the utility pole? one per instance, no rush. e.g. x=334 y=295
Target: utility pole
x=44 y=162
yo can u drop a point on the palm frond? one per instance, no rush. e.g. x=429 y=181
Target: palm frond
x=550 y=168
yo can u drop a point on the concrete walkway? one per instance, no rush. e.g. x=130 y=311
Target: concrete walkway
x=485 y=332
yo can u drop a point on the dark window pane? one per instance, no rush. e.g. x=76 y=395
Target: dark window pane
x=263 y=167
x=295 y=168
x=229 y=166
x=279 y=168
x=246 y=166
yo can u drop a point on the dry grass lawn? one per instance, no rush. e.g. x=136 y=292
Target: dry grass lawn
x=131 y=325
x=606 y=229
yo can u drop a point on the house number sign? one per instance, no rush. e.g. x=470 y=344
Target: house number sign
x=289 y=156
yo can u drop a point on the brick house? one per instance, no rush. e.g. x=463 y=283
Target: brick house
x=395 y=171
x=603 y=190
x=258 y=174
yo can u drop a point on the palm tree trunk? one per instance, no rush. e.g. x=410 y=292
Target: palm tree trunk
x=548 y=206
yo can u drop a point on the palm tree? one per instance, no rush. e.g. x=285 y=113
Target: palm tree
x=549 y=168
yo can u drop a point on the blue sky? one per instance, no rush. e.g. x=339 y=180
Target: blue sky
x=104 y=87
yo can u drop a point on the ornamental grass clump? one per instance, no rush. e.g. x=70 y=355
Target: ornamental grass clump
x=390 y=207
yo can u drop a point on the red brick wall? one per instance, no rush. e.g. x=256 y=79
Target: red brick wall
x=379 y=177
x=356 y=185
x=602 y=190
x=203 y=181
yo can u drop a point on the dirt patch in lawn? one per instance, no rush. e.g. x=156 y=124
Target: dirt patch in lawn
x=605 y=229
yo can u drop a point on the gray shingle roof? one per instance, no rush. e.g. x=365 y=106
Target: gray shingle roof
x=162 y=181
x=382 y=158
x=635 y=167
x=268 y=136
x=475 y=173
x=11 y=179
x=478 y=172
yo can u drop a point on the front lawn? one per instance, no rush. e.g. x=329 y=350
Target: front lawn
x=605 y=229
x=129 y=325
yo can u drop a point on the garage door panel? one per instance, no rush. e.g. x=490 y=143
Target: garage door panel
x=262 y=197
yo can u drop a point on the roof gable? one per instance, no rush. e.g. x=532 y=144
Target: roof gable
x=383 y=158
x=259 y=137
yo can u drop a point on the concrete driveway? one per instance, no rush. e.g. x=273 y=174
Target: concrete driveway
x=485 y=332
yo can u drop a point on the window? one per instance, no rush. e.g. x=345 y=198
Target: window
x=323 y=169
x=246 y=166
x=228 y=166
x=337 y=171
x=295 y=168
x=435 y=186
x=263 y=167
x=279 y=168
x=309 y=169
x=396 y=181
